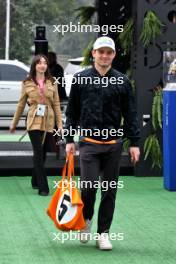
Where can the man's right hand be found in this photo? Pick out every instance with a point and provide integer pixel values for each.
(12, 129)
(70, 148)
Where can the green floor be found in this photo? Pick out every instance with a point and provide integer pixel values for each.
(145, 213)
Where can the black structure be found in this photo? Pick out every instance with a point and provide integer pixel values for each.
(115, 12)
(41, 44)
(147, 65)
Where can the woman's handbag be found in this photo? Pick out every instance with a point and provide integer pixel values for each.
(65, 208)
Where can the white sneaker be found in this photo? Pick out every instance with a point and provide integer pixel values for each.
(103, 242)
(84, 235)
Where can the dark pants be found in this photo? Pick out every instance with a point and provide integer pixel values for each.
(99, 160)
(39, 177)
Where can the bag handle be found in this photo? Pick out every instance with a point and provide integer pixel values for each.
(69, 167)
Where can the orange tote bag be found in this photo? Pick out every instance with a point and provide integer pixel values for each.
(65, 208)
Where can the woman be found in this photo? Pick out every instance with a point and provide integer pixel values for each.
(56, 71)
(44, 110)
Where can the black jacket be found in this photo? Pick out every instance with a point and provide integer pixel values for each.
(94, 106)
(56, 71)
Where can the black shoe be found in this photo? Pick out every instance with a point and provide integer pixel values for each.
(43, 193)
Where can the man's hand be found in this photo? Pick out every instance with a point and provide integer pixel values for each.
(70, 148)
(12, 129)
(60, 132)
(135, 154)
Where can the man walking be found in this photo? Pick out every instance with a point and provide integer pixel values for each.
(98, 106)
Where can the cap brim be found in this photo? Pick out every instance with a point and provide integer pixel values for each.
(103, 46)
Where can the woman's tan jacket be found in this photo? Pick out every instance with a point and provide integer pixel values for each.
(30, 93)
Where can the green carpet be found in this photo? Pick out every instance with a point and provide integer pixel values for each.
(145, 213)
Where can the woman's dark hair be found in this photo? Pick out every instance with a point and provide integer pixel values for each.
(32, 73)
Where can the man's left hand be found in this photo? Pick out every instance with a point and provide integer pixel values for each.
(135, 154)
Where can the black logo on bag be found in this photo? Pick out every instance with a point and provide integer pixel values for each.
(63, 206)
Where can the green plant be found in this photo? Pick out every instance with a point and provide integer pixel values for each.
(152, 149)
(85, 13)
(126, 37)
(126, 144)
(157, 109)
(152, 27)
(151, 144)
(87, 53)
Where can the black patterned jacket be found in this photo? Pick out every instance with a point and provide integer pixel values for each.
(94, 104)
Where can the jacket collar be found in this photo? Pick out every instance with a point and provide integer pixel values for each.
(96, 73)
(31, 82)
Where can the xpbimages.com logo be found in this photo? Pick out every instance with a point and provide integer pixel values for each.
(87, 132)
(104, 29)
(96, 80)
(73, 236)
(82, 184)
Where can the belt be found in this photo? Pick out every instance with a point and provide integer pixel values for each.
(46, 122)
(114, 141)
